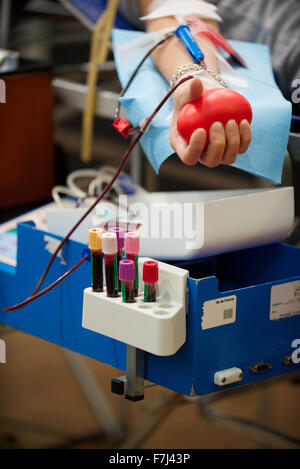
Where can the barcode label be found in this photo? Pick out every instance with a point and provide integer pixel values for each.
(228, 313)
(285, 300)
(219, 312)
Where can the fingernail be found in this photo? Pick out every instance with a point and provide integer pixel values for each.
(217, 127)
(244, 121)
(231, 126)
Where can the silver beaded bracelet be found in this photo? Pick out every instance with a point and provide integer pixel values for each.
(185, 69)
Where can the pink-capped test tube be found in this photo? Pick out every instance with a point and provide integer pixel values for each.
(132, 249)
(120, 233)
(126, 276)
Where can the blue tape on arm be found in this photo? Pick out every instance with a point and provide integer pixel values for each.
(183, 33)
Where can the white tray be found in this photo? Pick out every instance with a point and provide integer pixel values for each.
(222, 221)
(158, 328)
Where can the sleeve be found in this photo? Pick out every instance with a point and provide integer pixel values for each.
(131, 11)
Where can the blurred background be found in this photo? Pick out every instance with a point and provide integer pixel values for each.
(41, 403)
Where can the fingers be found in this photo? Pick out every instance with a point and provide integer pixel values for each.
(215, 150)
(195, 89)
(187, 92)
(177, 142)
(195, 147)
(225, 144)
(232, 142)
(189, 154)
(245, 136)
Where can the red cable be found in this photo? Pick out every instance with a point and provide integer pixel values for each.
(34, 294)
(99, 198)
(52, 285)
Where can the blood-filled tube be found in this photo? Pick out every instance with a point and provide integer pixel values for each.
(95, 245)
(120, 238)
(132, 249)
(150, 278)
(126, 276)
(110, 249)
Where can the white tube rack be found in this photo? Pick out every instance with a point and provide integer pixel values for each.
(158, 328)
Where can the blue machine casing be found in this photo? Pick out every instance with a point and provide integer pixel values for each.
(248, 274)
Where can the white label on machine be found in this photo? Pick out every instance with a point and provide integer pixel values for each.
(219, 312)
(285, 300)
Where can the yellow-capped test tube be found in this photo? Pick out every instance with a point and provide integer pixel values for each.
(95, 245)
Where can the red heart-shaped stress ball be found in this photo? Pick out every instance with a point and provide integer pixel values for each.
(218, 104)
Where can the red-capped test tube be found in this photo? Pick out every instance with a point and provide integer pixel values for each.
(132, 249)
(95, 245)
(120, 238)
(126, 276)
(110, 249)
(150, 279)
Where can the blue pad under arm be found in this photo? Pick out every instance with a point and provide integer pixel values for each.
(271, 112)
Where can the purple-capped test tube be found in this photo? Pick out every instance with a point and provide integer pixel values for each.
(126, 276)
(120, 233)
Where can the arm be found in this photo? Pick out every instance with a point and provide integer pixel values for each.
(225, 143)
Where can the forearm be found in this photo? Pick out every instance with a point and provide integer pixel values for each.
(170, 56)
(225, 141)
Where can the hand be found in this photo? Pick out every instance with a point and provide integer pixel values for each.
(226, 142)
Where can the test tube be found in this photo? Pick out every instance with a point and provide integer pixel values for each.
(110, 249)
(126, 276)
(132, 248)
(150, 278)
(95, 245)
(120, 238)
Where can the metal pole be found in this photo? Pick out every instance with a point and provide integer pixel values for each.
(134, 373)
